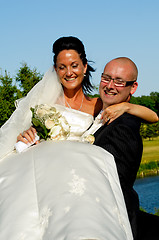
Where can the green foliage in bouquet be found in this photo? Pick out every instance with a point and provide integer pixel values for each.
(39, 126)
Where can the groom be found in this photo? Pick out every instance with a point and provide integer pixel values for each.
(122, 139)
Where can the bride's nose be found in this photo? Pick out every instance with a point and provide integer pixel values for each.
(69, 71)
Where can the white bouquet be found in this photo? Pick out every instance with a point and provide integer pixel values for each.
(49, 123)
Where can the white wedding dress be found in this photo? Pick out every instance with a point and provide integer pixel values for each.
(63, 190)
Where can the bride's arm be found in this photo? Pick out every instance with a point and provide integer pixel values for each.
(114, 111)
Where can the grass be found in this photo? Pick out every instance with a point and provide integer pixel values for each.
(150, 150)
(150, 159)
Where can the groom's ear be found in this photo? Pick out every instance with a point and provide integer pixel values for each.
(134, 88)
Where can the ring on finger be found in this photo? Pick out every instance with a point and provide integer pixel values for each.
(22, 134)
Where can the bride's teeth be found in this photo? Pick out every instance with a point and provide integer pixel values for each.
(71, 79)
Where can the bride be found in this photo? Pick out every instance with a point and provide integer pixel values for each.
(60, 189)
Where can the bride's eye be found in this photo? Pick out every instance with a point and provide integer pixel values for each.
(75, 65)
(61, 67)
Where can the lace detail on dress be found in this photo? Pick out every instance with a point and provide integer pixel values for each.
(40, 228)
(116, 212)
(44, 219)
(77, 185)
(97, 200)
(67, 209)
(2, 179)
(22, 236)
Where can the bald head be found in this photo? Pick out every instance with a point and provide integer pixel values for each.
(128, 64)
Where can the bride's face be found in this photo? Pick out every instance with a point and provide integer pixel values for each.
(70, 69)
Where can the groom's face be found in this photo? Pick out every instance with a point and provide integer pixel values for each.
(110, 92)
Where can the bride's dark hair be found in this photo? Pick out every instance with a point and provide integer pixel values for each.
(66, 43)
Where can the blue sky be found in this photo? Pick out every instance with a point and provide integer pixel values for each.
(108, 29)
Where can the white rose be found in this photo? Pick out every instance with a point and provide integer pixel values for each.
(61, 137)
(42, 110)
(55, 132)
(90, 138)
(49, 123)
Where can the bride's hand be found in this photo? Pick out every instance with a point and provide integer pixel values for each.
(28, 136)
(114, 111)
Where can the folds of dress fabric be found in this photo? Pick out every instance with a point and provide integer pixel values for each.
(62, 191)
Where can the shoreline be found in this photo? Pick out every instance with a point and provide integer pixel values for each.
(148, 170)
(149, 173)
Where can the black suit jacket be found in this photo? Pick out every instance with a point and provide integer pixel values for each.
(122, 139)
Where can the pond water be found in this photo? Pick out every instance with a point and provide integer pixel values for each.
(148, 191)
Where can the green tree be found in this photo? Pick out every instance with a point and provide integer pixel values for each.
(8, 94)
(146, 101)
(152, 102)
(27, 78)
(149, 130)
(155, 97)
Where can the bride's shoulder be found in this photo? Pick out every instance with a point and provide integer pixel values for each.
(96, 105)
